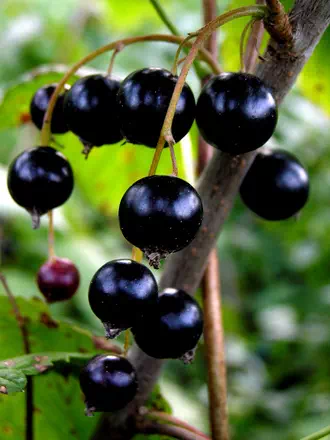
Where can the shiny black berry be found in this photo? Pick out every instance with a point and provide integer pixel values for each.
(143, 100)
(109, 383)
(39, 180)
(121, 294)
(160, 215)
(236, 112)
(276, 186)
(39, 104)
(174, 329)
(91, 110)
(58, 279)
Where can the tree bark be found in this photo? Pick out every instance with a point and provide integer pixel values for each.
(220, 182)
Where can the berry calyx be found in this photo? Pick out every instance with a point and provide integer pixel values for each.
(39, 105)
(39, 180)
(108, 382)
(173, 331)
(236, 112)
(276, 187)
(160, 215)
(121, 294)
(58, 279)
(91, 110)
(143, 99)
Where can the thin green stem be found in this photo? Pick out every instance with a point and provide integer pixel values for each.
(45, 133)
(204, 33)
(319, 434)
(164, 17)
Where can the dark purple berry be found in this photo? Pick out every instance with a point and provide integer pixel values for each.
(39, 180)
(276, 187)
(121, 294)
(236, 112)
(173, 331)
(109, 383)
(144, 97)
(39, 105)
(160, 215)
(58, 279)
(91, 110)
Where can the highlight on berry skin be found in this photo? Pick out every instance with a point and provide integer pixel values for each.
(58, 279)
(108, 382)
(122, 294)
(276, 187)
(39, 180)
(175, 328)
(160, 215)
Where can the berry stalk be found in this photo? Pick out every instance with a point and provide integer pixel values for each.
(257, 11)
(46, 129)
(51, 235)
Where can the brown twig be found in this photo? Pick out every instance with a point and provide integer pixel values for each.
(278, 23)
(254, 42)
(215, 349)
(152, 427)
(25, 337)
(161, 416)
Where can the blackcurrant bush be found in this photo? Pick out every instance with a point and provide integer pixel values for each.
(121, 294)
(144, 97)
(39, 104)
(276, 186)
(160, 215)
(108, 382)
(174, 329)
(91, 110)
(58, 279)
(39, 180)
(236, 112)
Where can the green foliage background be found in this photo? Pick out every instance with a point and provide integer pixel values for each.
(275, 276)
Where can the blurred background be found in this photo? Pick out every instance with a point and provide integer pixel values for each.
(275, 276)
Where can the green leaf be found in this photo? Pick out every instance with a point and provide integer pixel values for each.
(17, 368)
(15, 101)
(157, 402)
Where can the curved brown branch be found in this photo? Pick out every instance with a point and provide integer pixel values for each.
(220, 181)
(151, 427)
(278, 24)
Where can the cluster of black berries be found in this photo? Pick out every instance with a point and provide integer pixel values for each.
(236, 113)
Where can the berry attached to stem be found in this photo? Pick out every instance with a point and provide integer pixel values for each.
(39, 180)
(174, 329)
(160, 215)
(121, 294)
(58, 279)
(276, 187)
(109, 383)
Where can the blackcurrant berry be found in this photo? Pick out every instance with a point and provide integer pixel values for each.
(40, 179)
(174, 329)
(39, 106)
(91, 110)
(236, 112)
(160, 215)
(58, 279)
(276, 186)
(121, 294)
(144, 97)
(109, 383)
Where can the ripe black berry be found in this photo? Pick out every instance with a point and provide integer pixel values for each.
(276, 187)
(174, 329)
(40, 179)
(108, 382)
(91, 111)
(58, 279)
(160, 215)
(39, 106)
(143, 100)
(236, 112)
(121, 294)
